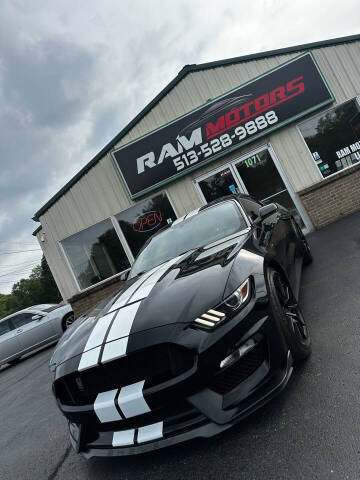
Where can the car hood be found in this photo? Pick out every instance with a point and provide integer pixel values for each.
(174, 293)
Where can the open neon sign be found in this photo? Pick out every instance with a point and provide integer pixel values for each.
(148, 221)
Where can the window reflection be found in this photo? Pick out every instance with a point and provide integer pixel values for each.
(333, 137)
(95, 254)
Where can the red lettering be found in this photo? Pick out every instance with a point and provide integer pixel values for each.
(295, 85)
(232, 117)
(246, 109)
(212, 129)
(261, 102)
(158, 216)
(150, 219)
(143, 221)
(277, 94)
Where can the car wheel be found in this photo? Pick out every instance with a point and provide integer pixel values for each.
(288, 315)
(67, 321)
(304, 245)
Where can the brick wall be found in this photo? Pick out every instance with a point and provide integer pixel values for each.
(83, 302)
(333, 198)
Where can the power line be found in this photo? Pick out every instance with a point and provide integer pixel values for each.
(18, 264)
(18, 243)
(17, 272)
(14, 280)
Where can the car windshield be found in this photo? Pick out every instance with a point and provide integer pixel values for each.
(206, 227)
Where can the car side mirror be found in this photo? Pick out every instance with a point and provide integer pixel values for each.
(124, 275)
(37, 317)
(265, 211)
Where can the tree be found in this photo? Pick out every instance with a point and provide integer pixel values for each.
(39, 288)
(50, 290)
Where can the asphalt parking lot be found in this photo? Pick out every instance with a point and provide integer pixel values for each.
(310, 431)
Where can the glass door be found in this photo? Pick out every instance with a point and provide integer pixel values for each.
(218, 183)
(256, 175)
(262, 181)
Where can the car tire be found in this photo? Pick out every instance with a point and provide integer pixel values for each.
(288, 315)
(304, 245)
(67, 321)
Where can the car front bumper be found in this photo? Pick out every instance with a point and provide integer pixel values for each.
(210, 409)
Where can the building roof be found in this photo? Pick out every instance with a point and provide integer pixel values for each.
(37, 230)
(183, 72)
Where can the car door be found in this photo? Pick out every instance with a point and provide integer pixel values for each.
(9, 342)
(33, 330)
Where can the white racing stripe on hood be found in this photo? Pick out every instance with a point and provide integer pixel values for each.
(131, 400)
(125, 296)
(115, 349)
(90, 356)
(123, 322)
(150, 432)
(145, 289)
(89, 359)
(97, 334)
(104, 407)
(124, 319)
(123, 438)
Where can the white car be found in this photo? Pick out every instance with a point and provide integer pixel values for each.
(32, 328)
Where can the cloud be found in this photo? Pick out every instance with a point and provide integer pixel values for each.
(73, 74)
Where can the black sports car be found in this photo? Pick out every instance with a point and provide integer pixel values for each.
(204, 331)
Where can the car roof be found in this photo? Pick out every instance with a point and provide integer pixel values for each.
(43, 306)
(24, 310)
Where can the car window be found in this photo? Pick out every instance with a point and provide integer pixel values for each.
(22, 319)
(251, 207)
(4, 327)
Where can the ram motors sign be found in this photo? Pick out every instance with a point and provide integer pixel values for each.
(241, 116)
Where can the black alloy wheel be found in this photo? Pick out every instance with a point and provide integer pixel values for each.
(289, 316)
(67, 321)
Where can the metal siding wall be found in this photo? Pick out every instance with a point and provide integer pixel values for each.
(100, 193)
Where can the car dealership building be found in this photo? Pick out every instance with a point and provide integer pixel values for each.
(282, 126)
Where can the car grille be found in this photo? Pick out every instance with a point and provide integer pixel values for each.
(230, 377)
(155, 365)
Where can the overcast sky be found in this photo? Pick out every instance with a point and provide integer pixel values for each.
(74, 73)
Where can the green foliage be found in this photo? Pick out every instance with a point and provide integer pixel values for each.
(40, 287)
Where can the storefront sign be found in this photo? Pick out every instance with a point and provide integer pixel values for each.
(225, 124)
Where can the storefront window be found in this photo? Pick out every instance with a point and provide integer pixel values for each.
(95, 254)
(333, 137)
(142, 220)
(218, 184)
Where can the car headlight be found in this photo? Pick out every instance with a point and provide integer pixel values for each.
(231, 305)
